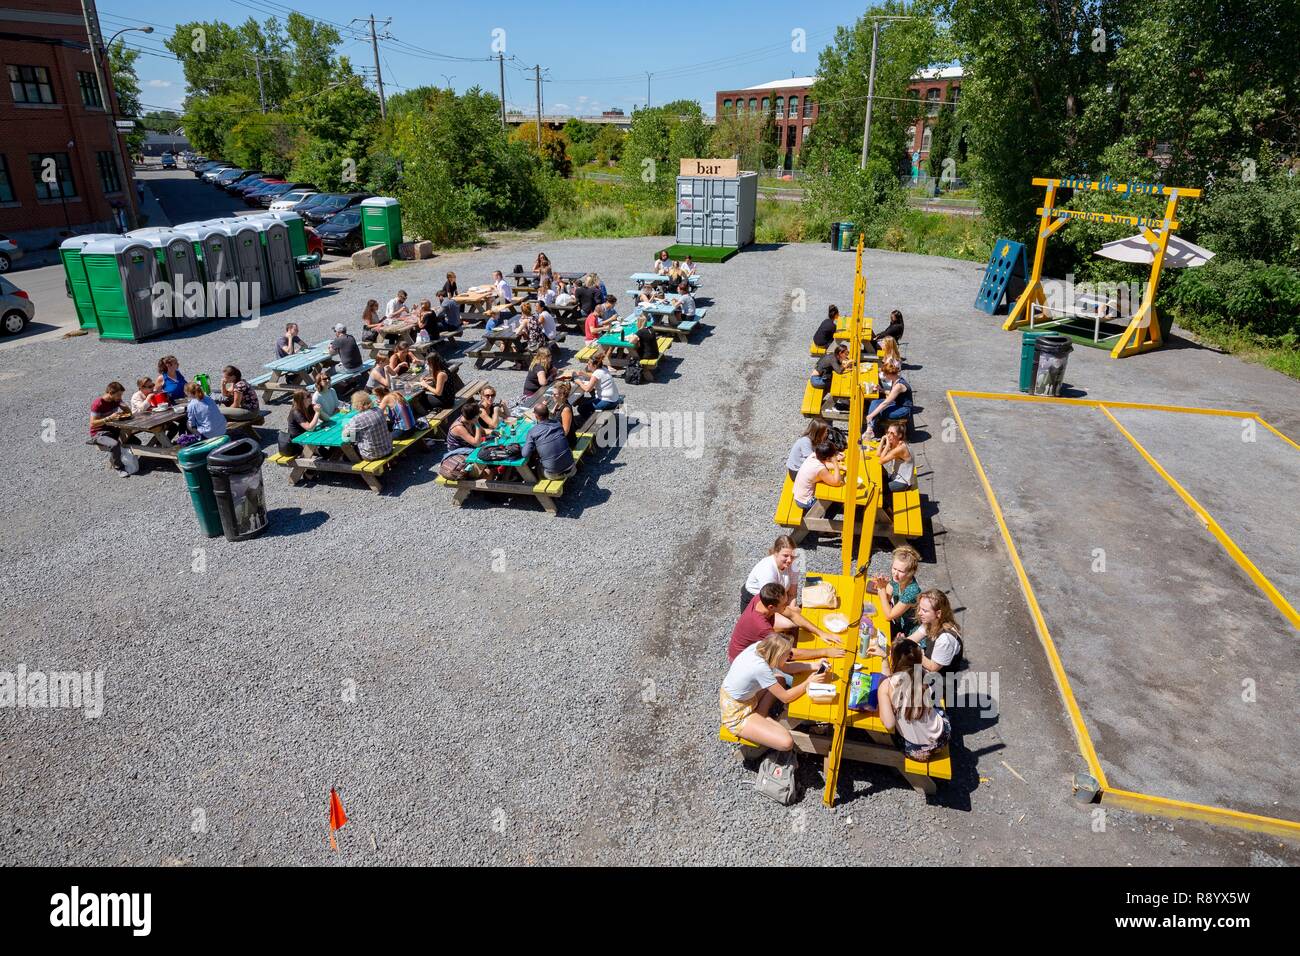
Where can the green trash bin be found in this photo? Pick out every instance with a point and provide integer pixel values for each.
(193, 461)
(1027, 340)
(848, 238)
(308, 272)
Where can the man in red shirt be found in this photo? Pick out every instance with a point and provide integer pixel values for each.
(757, 620)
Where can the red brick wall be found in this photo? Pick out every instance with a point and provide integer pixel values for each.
(784, 123)
(49, 128)
(921, 87)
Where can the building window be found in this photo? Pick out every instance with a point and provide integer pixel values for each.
(108, 176)
(767, 105)
(6, 184)
(30, 84)
(780, 106)
(89, 90)
(806, 131)
(932, 101)
(955, 91)
(807, 108)
(726, 106)
(53, 176)
(925, 140)
(794, 107)
(753, 105)
(740, 106)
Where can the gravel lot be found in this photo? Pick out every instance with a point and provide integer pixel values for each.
(527, 689)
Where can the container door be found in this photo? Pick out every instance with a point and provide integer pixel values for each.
(184, 275)
(279, 261)
(217, 259)
(690, 210)
(374, 226)
(104, 276)
(149, 315)
(722, 212)
(75, 270)
(248, 249)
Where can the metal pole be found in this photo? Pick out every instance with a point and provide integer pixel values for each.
(647, 91)
(261, 92)
(501, 65)
(538, 71)
(379, 77)
(871, 91)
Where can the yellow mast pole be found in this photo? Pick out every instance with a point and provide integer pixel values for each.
(853, 455)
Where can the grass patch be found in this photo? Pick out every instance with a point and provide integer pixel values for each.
(1249, 347)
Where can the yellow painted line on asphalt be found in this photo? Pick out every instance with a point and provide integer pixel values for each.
(1183, 810)
(1234, 551)
(1277, 433)
(1036, 612)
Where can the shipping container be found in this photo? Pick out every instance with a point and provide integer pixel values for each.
(716, 210)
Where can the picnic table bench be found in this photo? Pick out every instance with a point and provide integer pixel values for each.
(815, 401)
(292, 372)
(392, 335)
(817, 518)
(842, 333)
(350, 462)
(153, 434)
(545, 490)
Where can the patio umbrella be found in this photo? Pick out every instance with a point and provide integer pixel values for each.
(1179, 253)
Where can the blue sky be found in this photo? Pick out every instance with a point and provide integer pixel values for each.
(594, 55)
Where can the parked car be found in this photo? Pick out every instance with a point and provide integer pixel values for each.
(212, 175)
(336, 203)
(9, 251)
(16, 308)
(314, 244)
(340, 235)
(228, 182)
(252, 184)
(267, 196)
(314, 200)
(168, 161)
(286, 201)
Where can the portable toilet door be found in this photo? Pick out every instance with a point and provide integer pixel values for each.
(251, 262)
(218, 248)
(75, 272)
(122, 272)
(381, 223)
(279, 259)
(186, 278)
(297, 230)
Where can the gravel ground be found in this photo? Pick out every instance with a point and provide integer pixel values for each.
(490, 684)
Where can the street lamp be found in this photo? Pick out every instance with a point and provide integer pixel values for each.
(110, 104)
(448, 79)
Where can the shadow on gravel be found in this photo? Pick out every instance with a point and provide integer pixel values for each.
(284, 522)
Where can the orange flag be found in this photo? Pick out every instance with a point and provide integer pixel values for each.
(337, 817)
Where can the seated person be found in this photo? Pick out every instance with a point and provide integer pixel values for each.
(825, 333)
(898, 466)
(588, 295)
(754, 683)
(440, 383)
(905, 708)
(368, 429)
(402, 360)
(448, 289)
(548, 440)
(894, 403)
(557, 404)
(324, 400)
(397, 412)
(170, 381)
(424, 315)
(546, 293)
(600, 384)
(397, 308)
(466, 434)
(346, 348)
(688, 267)
(504, 294)
(662, 263)
(238, 397)
(448, 314)
(379, 375)
(822, 467)
(594, 326)
(765, 611)
(143, 399)
(894, 330)
(371, 322)
(888, 349)
(564, 297)
(541, 373)
(776, 568)
(836, 360)
(937, 633)
(109, 408)
(290, 343)
(202, 414)
(529, 332)
(645, 341)
(818, 431)
(303, 417)
(899, 592)
(686, 303)
(491, 411)
(547, 321)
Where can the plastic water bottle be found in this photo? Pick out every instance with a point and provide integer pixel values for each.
(866, 633)
(202, 379)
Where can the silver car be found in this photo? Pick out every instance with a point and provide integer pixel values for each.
(16, 309)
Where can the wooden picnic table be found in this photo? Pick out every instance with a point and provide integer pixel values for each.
(514, 351)
(474, 301)
(317, 442)
(395, 333)
(151, 434)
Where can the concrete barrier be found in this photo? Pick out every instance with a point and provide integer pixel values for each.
(415, 250)
(370, 257)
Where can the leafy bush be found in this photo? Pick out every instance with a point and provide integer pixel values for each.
(1252, 297)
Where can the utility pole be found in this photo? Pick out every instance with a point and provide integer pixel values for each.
(537, 70)
(108, 93)
(871, 91)
(501, 65)
(374, 48)
(647, 90)
(261, 92)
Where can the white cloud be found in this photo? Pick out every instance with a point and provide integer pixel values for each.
(159, 84)
(559, 106)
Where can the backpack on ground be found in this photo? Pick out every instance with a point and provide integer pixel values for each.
(776, 776)
(632, 376)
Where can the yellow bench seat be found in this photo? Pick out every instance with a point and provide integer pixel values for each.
(907, 513)
(788, 514)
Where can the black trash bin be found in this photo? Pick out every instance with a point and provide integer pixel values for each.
(1051, 354)
(236, 471)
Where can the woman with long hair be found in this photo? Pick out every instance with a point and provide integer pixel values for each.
(817, 432)
(906, 708)
(754, 683)
(371, 321)
(897, 466)
(825, 333)
(937, 634)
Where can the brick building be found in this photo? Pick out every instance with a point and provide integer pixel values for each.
(934, 87)
(786, 101)
(60, 169)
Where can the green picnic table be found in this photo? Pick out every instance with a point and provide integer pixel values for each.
(506, 434)
(330, 436)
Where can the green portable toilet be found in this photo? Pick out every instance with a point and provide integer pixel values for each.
(381, 223)
(297, 230)
(122, 272)
(75, 271)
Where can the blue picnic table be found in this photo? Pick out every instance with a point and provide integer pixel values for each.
(641, 278)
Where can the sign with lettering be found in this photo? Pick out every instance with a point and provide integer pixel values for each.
(710, 167)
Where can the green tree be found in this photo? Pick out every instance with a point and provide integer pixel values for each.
(554, 149)
(609, 144)
(339, 124)
(121, 64)
(658, 139)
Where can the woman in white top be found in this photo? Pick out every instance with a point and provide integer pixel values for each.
(753, 684)
(325, 400)
(937, 635)
(662, 264)
(141, 400)
(776, 568)
(600, 384)
(898, 467)
(905, 707)
(546, 294)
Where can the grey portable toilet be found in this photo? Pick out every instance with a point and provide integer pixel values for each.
(249, 258)
(180, 270)
(216, 247)
(122, 272)
(717, 210)
(280, 269)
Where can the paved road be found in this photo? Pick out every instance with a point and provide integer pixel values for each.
(171, 196)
